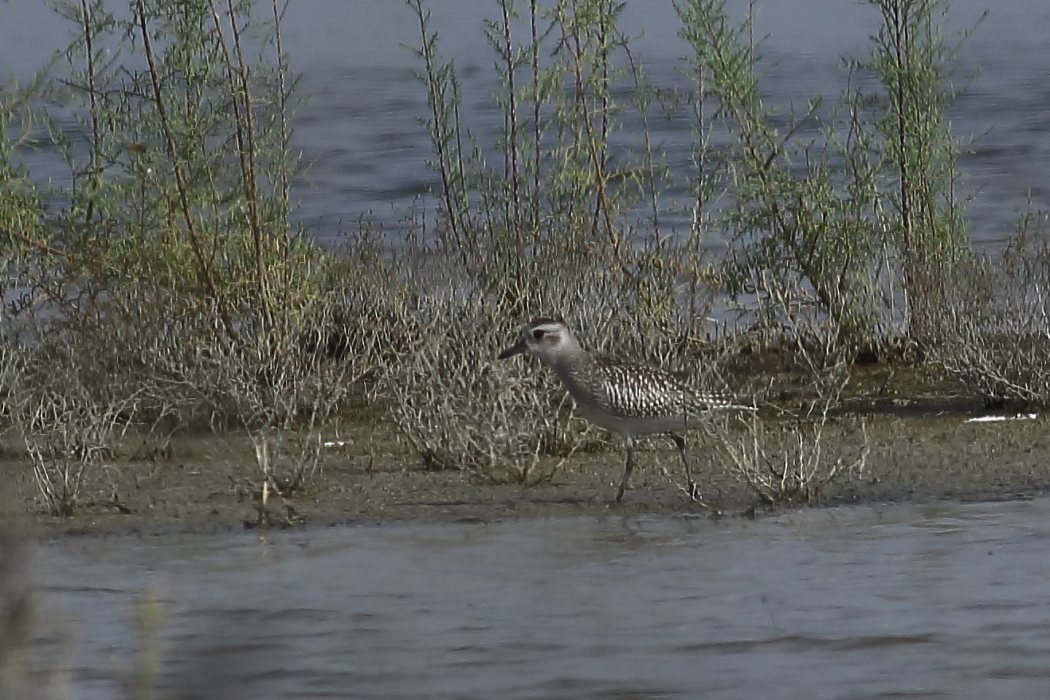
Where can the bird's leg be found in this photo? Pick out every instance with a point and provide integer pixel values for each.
(692, 488)
(629, 441)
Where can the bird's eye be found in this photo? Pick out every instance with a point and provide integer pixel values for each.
(538, 334)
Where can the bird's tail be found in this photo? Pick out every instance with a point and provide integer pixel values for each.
(736, 403)
(728, 402)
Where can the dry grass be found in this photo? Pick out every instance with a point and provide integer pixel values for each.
(127, 372)
(789, 460)
(392, 336)
(460, 408)
(794, 461)
(282, 382)
(990, 325)
(70, 425)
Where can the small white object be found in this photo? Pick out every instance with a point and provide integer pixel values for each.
(337, 443)
(1000, 419)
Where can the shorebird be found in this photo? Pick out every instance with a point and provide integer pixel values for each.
(623, 397)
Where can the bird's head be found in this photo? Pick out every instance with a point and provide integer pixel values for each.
(544, 338)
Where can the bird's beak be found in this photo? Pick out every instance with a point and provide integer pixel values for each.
(516, 349)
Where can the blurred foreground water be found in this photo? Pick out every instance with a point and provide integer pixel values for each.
(861, 602)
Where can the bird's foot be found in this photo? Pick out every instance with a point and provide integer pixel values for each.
(693, 491)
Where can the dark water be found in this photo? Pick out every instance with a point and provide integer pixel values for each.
(869, 602)
(360, 132)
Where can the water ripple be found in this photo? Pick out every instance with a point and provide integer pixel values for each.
(905, 601)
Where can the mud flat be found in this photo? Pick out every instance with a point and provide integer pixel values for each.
(209, 482)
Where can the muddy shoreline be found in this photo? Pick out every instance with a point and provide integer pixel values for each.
(209, 483)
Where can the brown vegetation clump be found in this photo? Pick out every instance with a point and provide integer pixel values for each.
(71, 422)
(793, 457)
(460, 409)
(989, 325)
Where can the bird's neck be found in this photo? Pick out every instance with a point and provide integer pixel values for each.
(572, 366)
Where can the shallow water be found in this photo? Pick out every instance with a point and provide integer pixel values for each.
(359, 127)
(916, 601)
